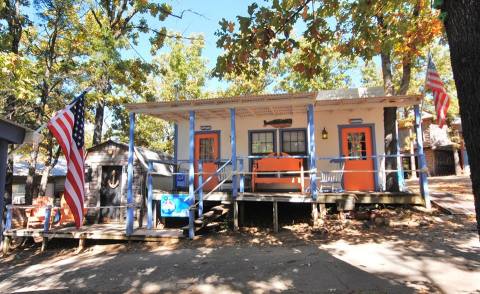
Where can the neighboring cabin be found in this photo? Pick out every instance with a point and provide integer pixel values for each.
(444, 152)
(55, 184)
(105, 176)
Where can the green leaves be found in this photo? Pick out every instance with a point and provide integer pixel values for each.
(183, 71)
(348, 29)
(158, 40)
(251, 9)
(165, 10)
(244, 24)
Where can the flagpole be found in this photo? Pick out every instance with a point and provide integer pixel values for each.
(425, 84)
(429, 56)
(39, 129)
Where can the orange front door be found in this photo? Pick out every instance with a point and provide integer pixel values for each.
(357, 143)
(207, 150)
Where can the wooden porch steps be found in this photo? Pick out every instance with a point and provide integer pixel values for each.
(210, 219)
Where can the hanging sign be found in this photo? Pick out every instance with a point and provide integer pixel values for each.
(279, 123)
(205, 128)
(181, 181)
(355, 121)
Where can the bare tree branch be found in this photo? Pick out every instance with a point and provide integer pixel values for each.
(180, 16)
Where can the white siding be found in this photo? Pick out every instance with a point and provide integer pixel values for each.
(332, 119)
(243, 125)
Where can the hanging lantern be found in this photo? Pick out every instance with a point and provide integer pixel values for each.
(324, 134)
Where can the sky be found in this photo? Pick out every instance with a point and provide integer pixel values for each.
(212, 11)
(203, 20)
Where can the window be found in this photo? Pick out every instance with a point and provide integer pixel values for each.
(357, 146)
(206, 149)
(18, 193)
(294, 141)
(262, 142)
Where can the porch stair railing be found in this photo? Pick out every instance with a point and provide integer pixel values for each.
(206, 219)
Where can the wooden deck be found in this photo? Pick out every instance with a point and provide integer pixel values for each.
(98, 232)
(328, 198)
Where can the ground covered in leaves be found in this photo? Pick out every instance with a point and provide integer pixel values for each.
(399, 249)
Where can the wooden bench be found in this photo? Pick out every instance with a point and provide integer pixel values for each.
(274, 164)
(66, 215)
(36, 215)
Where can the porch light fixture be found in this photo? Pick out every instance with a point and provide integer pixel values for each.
(324, 134)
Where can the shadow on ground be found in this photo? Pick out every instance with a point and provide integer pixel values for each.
(414, 252)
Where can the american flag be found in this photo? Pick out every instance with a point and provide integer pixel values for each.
(441, 98)
(68, 128)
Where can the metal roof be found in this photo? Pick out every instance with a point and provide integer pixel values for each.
(271, 104)
(20, 168)
(144, 155)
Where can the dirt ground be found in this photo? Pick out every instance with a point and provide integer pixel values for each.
(393, 250)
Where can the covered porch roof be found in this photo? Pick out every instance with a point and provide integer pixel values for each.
(272, 104)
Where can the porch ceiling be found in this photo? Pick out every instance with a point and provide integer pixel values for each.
(245, 106)
(368, 102)
(261, 105)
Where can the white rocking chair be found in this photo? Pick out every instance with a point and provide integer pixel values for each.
(332, 181)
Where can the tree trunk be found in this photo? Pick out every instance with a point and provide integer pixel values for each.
(9, 182)
(406, 76)
(98, 126)
(15, 30)
(32, 167)
(10, 111)
(462, 25)
(389, 125)
(50, 163)
(387, 73)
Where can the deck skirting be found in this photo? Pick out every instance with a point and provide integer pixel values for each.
(325, 198)
(98, 232)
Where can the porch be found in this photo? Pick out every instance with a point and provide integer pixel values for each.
(46, 225)
(206, 177)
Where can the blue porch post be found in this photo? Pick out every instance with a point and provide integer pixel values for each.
(149, 196)
(312, 151)
(400, 175)
(242, 177)
(423, 181)
(48, 214)
(200, 192)
(175, 154)
(8, 222)
(131, 145)
(191, 174)
(233, 143)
